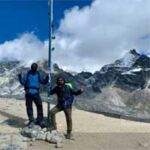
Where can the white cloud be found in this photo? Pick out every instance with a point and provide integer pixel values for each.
(98, 34)
(27, 47)
(90, 37)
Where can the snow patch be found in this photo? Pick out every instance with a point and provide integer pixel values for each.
(128, 60)
(131, 72)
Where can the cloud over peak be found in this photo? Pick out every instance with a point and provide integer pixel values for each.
(105, 30)
(27, 47)
(90, 37)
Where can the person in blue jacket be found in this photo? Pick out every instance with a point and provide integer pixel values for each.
(31, 82)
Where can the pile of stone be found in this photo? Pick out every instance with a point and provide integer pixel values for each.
(37, 133)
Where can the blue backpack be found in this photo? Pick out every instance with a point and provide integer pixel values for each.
(69, 100)
(32, 84)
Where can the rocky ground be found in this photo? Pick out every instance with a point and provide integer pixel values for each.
(91, 131)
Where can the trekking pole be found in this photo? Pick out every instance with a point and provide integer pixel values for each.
(50, 15)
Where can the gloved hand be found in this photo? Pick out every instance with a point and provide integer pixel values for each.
(47, 75)
(82, 89)
(19, 75)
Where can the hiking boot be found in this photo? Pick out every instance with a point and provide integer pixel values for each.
(69, 136)
(41, 124)
(30, 124)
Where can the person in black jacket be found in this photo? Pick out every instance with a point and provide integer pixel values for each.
(65, 95)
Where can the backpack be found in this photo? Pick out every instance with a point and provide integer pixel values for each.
(69, 85)
(32, 81)
(69, 100)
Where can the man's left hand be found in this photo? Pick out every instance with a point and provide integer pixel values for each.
(82, 89)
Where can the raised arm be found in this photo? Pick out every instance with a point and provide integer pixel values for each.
(23, 79)
(44, 81)
(77, 92)
(53, 91)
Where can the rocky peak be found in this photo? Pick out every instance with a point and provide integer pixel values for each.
(134, 52)
(128, 59)
(143, 61)
(123, 64)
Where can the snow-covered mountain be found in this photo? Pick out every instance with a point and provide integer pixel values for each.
(129, 73)
(9, 70)
(8, 78)
(128, 60)
(121, 88)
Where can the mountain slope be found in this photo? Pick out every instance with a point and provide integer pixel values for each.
(120, 88)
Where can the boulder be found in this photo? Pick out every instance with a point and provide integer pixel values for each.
(48, 136)
(31, 132)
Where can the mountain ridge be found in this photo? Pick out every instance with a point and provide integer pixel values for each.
(117, 88)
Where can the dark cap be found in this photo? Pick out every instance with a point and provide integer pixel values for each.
(34, 66)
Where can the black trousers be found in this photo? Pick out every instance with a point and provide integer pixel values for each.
(30, 98)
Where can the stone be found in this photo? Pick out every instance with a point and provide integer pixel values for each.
(37, 127)
(36, 133)
(48, 136)
(44, 129)
(54, 132)
(56, 139)
(41, 136)
(31, 132)
(41, 132)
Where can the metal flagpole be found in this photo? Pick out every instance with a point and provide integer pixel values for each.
(50, 13)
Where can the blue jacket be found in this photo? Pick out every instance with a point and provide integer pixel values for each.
(31, 82)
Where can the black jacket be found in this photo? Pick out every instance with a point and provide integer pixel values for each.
(64, 93)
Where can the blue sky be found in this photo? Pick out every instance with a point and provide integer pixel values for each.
(93, 34)
(19, 16)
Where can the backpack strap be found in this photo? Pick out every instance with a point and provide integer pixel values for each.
(68, 101)
(69, 85)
